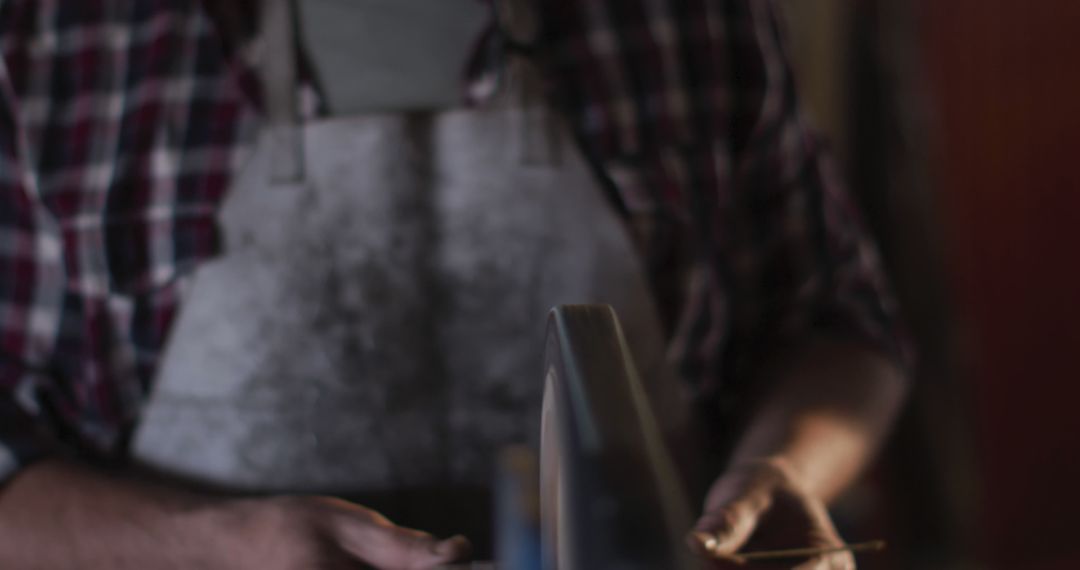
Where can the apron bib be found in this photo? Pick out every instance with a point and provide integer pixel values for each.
(381, 324)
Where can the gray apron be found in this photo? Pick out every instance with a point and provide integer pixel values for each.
(377, 323)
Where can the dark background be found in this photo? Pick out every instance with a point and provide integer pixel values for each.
(1005, 83)
(959, 125)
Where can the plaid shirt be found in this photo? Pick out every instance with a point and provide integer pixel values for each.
(119, 126)
(121, 121)
(688, 109)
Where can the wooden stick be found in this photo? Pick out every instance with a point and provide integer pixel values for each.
(871, 546)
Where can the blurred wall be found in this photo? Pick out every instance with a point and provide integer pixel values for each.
(1006, 87)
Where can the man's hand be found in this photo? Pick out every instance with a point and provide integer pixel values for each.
(57, 515)
(763, 506)
(826, 407)
(292, 533)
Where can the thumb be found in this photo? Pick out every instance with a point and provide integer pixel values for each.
(734, 505)
(370, 537)
(722, 531)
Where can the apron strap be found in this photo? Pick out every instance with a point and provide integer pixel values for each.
(278, 72)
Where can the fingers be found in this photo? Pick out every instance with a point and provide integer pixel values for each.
(733, 508)
(371, 537)
(403, 549)
(835, 561)
(723, 532)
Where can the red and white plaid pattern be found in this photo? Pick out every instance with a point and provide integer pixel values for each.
(121, 123)
(689, 108)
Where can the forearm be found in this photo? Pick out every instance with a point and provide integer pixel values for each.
(58, 515)
(829, 405)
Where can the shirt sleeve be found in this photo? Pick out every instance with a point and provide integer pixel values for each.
(689, 109)
(121, 124)
(27, 258)
(807, 263)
